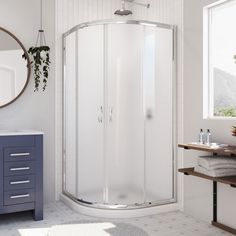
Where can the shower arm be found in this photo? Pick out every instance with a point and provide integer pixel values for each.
(123, 4)
(138, 3)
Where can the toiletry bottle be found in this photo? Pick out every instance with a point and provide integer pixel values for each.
(201, 137)
(208, 134)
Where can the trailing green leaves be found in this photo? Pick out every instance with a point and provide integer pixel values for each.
(40, 62)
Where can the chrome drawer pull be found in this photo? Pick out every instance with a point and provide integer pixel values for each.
(19, 154)
(19, 196)
(20, 182)
(20, 168)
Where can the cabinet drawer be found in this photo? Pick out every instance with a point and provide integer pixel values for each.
(19, 196)
(18, 140)
(19, 182)
(19, 153)
(19, 168)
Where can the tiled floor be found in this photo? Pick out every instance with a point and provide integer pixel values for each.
(167, 224)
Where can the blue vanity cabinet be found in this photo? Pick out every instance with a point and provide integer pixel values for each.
(21, 174)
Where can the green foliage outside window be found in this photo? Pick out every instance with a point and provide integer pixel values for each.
(226, 111)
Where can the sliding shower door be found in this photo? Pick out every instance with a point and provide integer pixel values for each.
(159, 113)
(90, 128)
(125, 133)
(119, 114)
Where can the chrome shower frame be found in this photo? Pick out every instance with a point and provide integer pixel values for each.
(174, 112)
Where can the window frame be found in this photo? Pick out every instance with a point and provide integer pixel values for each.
(208, 83)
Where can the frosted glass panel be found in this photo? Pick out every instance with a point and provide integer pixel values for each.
(158, 93)
(90, 114)
(125, 133)
(70, 113)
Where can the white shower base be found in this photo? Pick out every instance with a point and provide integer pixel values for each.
(125, 196)
(118, 213)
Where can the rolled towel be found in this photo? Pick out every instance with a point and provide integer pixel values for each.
(216, 172)
(217, 162)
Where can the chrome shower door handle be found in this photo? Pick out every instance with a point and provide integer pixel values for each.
(111, 115)
(99, 119)
(100, 116)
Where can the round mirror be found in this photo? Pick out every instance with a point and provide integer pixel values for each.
(14, 68)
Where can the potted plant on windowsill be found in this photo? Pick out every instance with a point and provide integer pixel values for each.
(233, 130)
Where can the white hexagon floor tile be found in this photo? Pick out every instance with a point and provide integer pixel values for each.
(59, 220)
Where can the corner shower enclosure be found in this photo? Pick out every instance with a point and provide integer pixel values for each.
(119, 114)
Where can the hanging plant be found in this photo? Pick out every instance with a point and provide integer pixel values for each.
(40, 58)
(40, 62)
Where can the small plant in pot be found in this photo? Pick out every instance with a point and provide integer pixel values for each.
(233, 130)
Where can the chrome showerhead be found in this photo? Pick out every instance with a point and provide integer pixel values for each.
(123, 11)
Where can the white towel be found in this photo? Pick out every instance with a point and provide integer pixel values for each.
(216, 173)
(217, 162)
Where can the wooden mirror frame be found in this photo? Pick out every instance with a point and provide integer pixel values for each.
(28, 67)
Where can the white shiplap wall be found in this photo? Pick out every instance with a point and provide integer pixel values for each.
(72, 12)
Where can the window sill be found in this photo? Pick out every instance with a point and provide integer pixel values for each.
(220, 118)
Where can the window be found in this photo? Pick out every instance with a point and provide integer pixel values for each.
(219, 60)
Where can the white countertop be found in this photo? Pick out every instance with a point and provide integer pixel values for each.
(18, 132)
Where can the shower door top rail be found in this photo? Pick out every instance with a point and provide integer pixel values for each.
(119, 21)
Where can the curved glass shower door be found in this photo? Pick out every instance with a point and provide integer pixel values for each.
(125, 133)
(159, 114)
(119, 114)
(90, 130)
